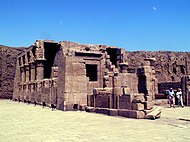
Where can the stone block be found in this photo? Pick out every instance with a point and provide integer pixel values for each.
(153, 113)
(136, 114)
(102, 101)
(90, 100)
(123, 113)
(137, 106)
(117, 81)
(138, 98)
(148, 105)
(125, 101)
(113, 112)
(102, 91)
(110, 74)
(126, 90)
(118, 91)
(106, 78)
(131, 113)
(148, 98)
(89, 109)
(102, 110)
(82, 107)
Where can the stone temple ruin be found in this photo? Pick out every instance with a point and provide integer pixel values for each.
(95, 78)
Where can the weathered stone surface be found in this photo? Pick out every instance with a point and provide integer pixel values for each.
(105, 91)
(138, 106)
(102, 110)
(102, 101)
(153, 113)
(113, 112)
(169, 66)
(131, 113)
(8, 57)
(125, 101)
(139, 98)
(148, 105)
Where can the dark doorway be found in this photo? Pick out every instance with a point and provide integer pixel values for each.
(92, 72)
(142, 84)
(50, 52)
(113, 55)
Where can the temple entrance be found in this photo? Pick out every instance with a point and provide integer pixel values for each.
(50, 52)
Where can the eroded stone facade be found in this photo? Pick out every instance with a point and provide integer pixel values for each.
(73, 76)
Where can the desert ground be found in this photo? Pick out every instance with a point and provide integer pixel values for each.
(21, 122)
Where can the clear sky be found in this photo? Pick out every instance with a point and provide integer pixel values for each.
(149, 25)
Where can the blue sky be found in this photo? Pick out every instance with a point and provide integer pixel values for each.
(149, 25)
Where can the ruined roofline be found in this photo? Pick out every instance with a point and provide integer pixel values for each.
(68, 43)
(24, 51)
(34, 45)
(89, 45)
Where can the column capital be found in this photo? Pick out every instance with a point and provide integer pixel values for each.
(40, 63)
(22, 68)
(32, 65)
(26, 67)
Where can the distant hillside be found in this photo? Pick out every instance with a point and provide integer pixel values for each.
(169, 66)
(7, 70)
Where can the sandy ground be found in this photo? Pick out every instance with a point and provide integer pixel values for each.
(20, 122)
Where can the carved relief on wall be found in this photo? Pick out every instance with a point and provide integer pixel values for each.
(54, 82)
(46, 83)
(26, 59)
(39, 86)
(31, 57)
(54, 71)
(32, 87)
(39, 53)
(39, 50)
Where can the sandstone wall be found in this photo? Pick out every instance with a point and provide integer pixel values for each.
(169, 66)
(7, 70)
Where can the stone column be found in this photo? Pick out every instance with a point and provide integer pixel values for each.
(21, 70)
(39, 70)
(26, 73)
(26, 66)
(117, 90)
(32, 71)
(110, 101)
(150, 81)
(22, 74)
(40, 58)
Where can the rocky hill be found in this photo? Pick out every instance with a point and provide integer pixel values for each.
(7, 70)
(169, 66)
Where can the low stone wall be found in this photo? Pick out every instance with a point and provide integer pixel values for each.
(127, 105)
(118, 112)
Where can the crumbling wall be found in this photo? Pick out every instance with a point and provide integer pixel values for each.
(7, 70)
